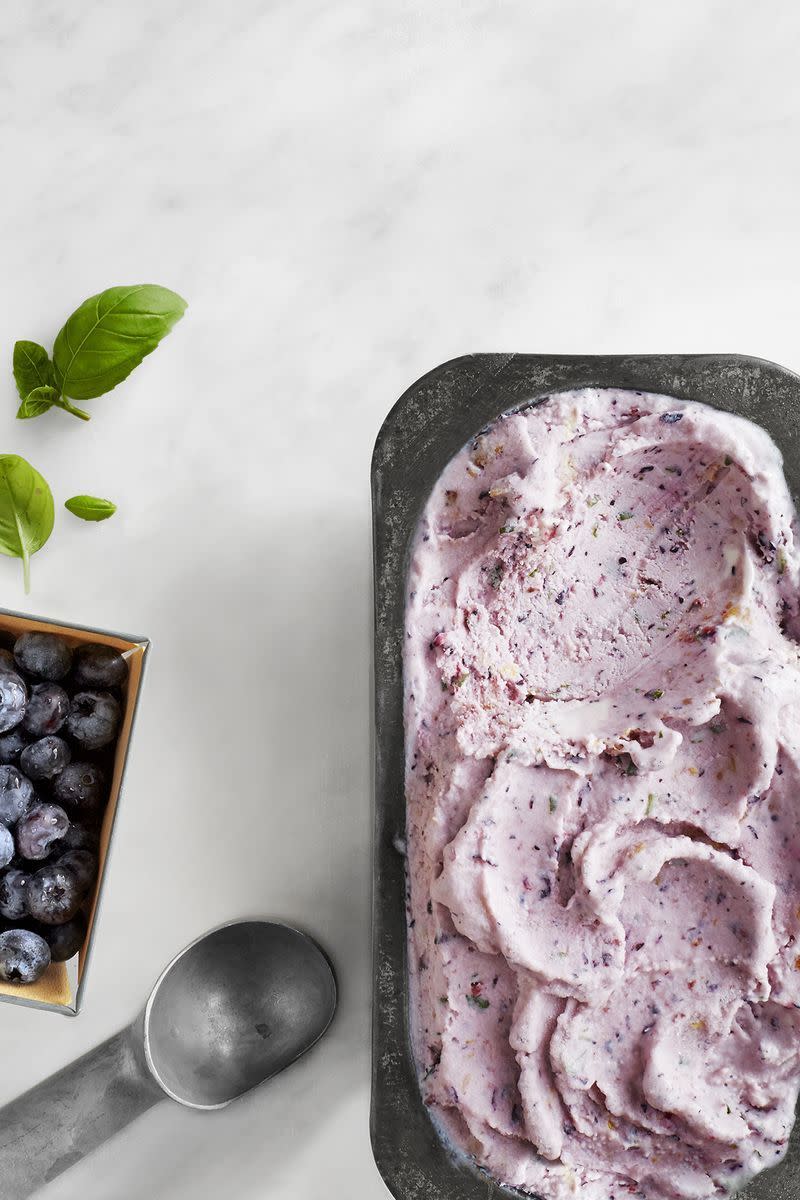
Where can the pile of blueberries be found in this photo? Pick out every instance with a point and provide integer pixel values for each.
(60, 712)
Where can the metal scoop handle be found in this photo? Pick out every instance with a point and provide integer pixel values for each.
(62, 1119)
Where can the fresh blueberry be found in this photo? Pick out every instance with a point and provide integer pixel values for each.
(48, 705)
(77, 837)
(13, 697)
(7, 662)
(24, 956)
(53, 895)
(99, 666)
(13, 894)
(93, 719)
(81, 788)
(46, 758)
(39, 828)
(83, 865)
(45, 655)
(65, 940)
(7, 848)
(16, 794)
(12, 744)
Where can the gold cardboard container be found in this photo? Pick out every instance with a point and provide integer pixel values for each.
(60, 989)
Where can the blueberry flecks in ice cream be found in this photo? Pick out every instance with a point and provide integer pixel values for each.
(602, 697)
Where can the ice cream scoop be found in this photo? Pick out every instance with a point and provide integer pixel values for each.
(230, 1011)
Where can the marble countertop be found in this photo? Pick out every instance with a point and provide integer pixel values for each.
(347, 195)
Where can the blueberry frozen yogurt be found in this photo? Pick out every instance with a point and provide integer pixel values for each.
(602, 708)
(60, 713)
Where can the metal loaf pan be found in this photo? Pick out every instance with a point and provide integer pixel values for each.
(430, 422)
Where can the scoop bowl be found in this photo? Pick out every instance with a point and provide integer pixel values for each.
(233, 1009)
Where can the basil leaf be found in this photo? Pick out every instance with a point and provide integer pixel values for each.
(41, 399)
(26, 511)
(32, 368)
(37, 402)
(109, 335)
(90, 508)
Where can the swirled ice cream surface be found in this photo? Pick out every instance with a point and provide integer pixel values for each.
(602, 707)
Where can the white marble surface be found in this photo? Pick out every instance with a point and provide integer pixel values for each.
(347, 194)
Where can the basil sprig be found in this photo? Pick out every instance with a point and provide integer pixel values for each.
(98, 347)
(100, 344)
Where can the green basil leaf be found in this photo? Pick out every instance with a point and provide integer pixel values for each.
(32, 368)
(41, 399)
(90, 508)
(26, 511)
(109, 335)
(37, 402)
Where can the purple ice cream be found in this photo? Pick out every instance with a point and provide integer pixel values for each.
(602, 711)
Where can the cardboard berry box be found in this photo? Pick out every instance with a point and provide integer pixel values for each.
(60, 989)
